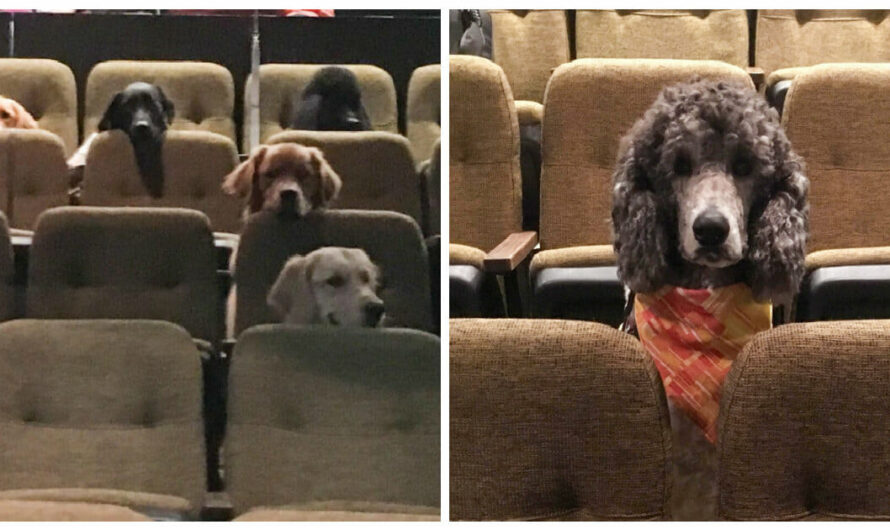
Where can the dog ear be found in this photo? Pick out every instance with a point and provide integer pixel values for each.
(778, 235)
(329, 182)
(107, 121)
(291, 295)
(24, 120)
(169, 109)
(240, 181)
(640, 230)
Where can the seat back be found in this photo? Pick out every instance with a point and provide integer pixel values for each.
(804, 37)
(324, 414)
(555, 420)
(803, 424)
(485, 190)
(145, 263)
(282, 84)
(392, 241)
(528, 45)
(376, 167)
(8, 309)
(716, 34)
(47, 90)
(580, 139)
(203, 94)
(33, 175)
(114, 405)
(194, 163)
(847, 171)
(423, 115)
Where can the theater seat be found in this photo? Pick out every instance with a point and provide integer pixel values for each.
(101, 411)
(555, 420)
(33, 177)
(803, 425)
(9, 306)
(334, 424)
(422, 113)
(66, 511)
(194, 162)
(574, 274)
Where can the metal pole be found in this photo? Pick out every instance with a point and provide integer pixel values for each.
(252, 112)
(12, 35)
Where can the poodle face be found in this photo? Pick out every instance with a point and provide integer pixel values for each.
(707, 190)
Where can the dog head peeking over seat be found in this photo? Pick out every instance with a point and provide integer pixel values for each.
(331, 285)
(287, 178)
(332, 101)
(14, 116)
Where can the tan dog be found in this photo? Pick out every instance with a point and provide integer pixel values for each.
(287, 178)
(14, 116)
(331, 285)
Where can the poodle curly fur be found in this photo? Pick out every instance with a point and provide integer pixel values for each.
(718, 122)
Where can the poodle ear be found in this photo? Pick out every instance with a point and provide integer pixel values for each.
(778, 236)
(291, 296)
(329, 180)
(240, 181)
(640, 233)
(107, 121)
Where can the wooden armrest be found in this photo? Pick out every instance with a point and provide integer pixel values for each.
(510, 253)
(757, 75)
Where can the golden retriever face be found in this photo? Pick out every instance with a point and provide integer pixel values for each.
(290, 179)
(332, 285)
(14, 116)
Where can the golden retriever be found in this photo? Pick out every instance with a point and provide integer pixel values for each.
(14, 116)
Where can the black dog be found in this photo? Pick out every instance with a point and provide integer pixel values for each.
(331, 102)
(143, 112)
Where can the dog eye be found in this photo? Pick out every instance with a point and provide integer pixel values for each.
(741, 167)
(4, 114)
(335, 281)
(682, 165)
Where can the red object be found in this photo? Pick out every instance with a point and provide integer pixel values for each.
(317, 13)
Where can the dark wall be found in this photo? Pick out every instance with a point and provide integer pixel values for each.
(396, 41)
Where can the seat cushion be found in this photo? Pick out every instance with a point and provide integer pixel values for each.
(342, 511)
(65, 511)
(845, 293)
(579, 293)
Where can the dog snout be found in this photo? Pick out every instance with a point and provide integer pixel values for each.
(710, 228)
(374, 312)
(142, 128)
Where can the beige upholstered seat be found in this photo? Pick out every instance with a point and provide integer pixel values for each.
(325, 420)
(392, 241)
(33, 174)
(8, 305)
(576, 174)
(376, 167)
(555, 419)
(282, 84)
(101, 411)
(47, 90)
(793, 38)
(423, 115)
(65, 511)
(146, 263)
(203, 94)
(432, 176)
(804, 423)
(195, 163)
(717, 34)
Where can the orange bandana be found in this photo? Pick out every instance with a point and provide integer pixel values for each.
(694, 335)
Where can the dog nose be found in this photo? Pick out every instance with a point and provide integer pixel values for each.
(374, 312)
(288, 202)
(710, 228)
(141, 128)
(353, 123)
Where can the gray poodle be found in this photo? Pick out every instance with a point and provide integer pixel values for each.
(707, 193)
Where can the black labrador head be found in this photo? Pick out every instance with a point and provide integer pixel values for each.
(143, 112)
(332, 102)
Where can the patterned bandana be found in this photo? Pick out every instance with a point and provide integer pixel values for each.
(694, 335)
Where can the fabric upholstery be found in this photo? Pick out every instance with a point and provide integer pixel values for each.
(584, 256)
(423, 115)
(33, 174)
(433, 182)
(138, 500)
(528, 45)
(282, 84)
(195, 163)
(147, 263)
(318, 413)
(377, 168)
(485, 190)
(342, 511)
(101, 404)
(848, 256)
(47, 90)
(555, 419)
(202, 93)
(576, 176)
(784, 74)
(787, 37)
(717, 34)
(804, 422)
(65, 511)
(529, 112)
(392, 241)
(847, 170)
(464, 255)
(7, 273)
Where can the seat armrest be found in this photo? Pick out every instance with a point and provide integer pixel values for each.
(758, 76)
(776, 93)
(217, 507)
(227, 346)
(510, 252)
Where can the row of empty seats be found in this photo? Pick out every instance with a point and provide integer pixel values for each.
(590, 105)
(563, 420)
(103, 419)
